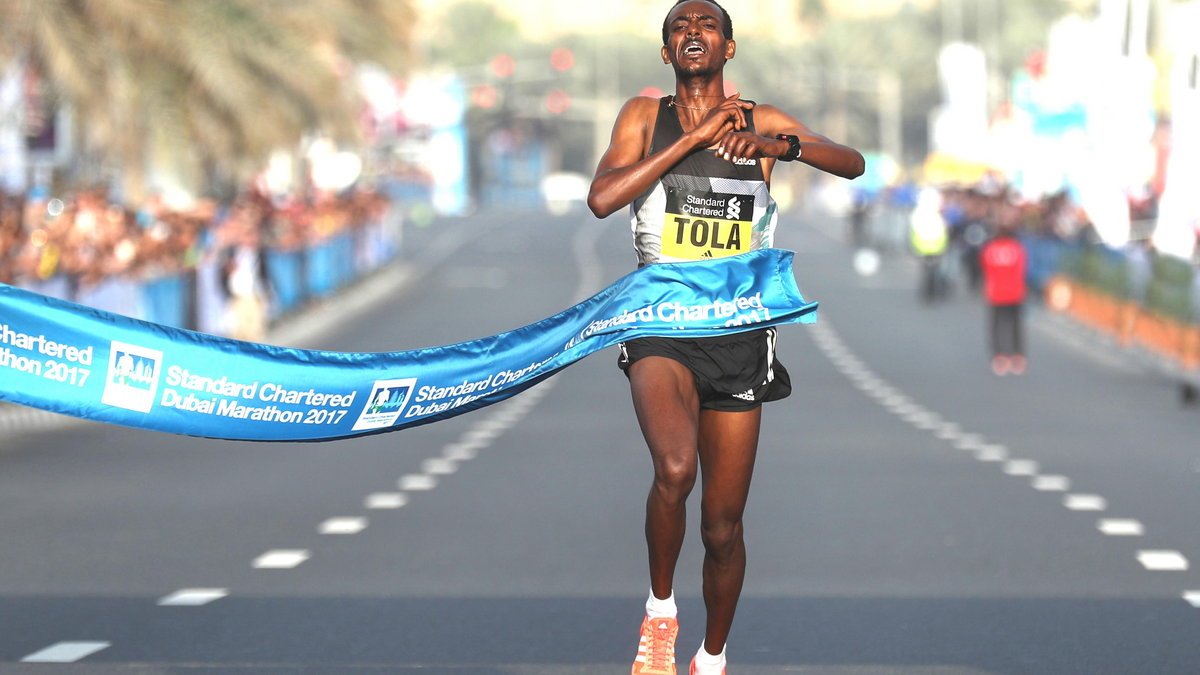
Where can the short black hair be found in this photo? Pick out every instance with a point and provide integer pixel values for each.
(724, 17)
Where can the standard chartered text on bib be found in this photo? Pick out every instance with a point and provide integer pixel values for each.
(705, 224)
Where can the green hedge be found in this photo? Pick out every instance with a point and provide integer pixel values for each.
(1168, 292)
(1099, 268)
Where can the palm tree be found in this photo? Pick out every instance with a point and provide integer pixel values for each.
(207, 87)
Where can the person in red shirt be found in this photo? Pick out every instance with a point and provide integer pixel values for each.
(1003, 261)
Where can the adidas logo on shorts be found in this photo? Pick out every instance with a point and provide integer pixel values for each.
(747, 395)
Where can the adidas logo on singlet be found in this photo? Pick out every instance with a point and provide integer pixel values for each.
(747, 395)
(742, 161)
(707, 254)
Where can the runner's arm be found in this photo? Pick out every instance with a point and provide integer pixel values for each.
(816, 150)
(625, 171)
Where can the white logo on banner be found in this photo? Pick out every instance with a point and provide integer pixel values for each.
(386, 402)
(132, 377)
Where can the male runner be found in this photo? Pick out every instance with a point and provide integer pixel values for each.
(695, 168)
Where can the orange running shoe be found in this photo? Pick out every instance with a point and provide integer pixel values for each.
(656, 650)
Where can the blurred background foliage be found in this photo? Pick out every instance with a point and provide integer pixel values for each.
(210, 87)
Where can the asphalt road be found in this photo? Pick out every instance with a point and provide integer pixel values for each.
(911, 512)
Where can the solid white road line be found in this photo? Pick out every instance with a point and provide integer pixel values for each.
(1169, 561)
(343, 526)
(1193, 598)
(1120, 527)
(66, 652)
(192, 597)
(281, 559)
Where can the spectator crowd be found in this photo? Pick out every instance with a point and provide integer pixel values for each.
(72, 246)
(970, 214)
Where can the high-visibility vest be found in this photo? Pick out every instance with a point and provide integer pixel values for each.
(928, 232)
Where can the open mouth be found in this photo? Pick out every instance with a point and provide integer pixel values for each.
(694, 49)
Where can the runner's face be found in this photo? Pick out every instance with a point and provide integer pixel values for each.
(696, 42)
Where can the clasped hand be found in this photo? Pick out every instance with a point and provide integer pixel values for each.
(723, 127)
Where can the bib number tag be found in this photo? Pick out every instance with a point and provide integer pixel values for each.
(701, 224)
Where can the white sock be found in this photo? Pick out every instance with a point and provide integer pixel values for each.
(708, 664)
(661, 609)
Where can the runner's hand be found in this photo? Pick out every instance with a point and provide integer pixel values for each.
(745, 145)
(729, 116)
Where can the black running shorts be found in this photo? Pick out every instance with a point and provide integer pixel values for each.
(734, 372)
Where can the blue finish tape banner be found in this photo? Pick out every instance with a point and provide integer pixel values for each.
(79, 361)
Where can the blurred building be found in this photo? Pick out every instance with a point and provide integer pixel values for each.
(542, 20)
(1179, 217)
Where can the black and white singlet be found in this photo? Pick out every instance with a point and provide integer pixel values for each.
(704, 206)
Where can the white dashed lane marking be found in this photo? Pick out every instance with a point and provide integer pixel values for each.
(386, 500)
(969, 442)
(1085, 502)
(1169, 561)
(438, 466)
(487, 429)
(417, 482)
(903, 407)
(281, 559)
(483, 434)
(460, 452)
(1120, 527)
(1051, 483)
(992, 453)
(192, 597)
(949, 432)
(1021, 467)
(343, 526)
(66, 652)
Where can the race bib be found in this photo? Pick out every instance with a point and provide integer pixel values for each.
(703, 224)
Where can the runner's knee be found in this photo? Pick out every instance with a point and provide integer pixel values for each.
(674, 476)
(721, 536)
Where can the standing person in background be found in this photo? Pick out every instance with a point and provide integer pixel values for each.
(1003, 262)
(699, 401)
(929, 237)
(970, 237)
(247, 282)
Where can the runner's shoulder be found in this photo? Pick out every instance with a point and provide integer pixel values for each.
(766, 114)
(638, 116)
(642, 106)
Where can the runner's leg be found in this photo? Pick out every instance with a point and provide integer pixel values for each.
(667, 407)
(728, 446)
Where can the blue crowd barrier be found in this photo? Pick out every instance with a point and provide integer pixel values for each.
(1044, 256)
(318, 268)
(169, 300)
(286, 272)
(193, 299)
